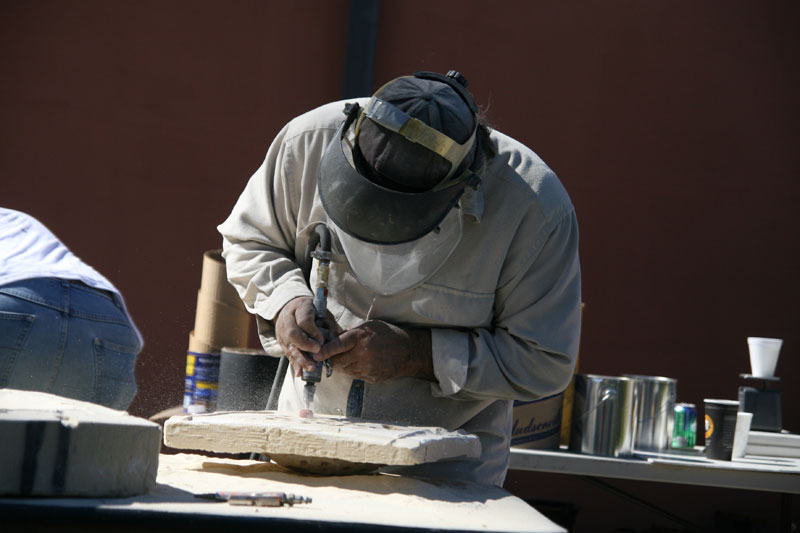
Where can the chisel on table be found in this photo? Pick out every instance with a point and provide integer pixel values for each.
(259, 499)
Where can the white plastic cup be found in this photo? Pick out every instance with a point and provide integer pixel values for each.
(764, 355)
(740, 437)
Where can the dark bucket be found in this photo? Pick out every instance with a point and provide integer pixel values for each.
(245, 379)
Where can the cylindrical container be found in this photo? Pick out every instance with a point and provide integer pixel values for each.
(602, 415)
(720, 422)
(205, 397)
(764, 355)
(684, 431)
(654, 404)
(200, 387)
(537, 424)
(245, 379)
(188, 387)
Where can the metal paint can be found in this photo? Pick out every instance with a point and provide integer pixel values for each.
(654, 406)
(684, 433)
(603, 421)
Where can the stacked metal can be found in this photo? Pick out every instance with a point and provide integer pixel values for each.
(684, 433)
(202, 376)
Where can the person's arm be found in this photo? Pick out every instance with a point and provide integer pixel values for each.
(258, 237)
(264, 241)
(531, 350)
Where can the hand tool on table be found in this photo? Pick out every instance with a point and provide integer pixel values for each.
(258, 499)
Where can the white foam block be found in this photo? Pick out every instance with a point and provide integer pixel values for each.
(768, 438)
(322, 436)
(55, 446)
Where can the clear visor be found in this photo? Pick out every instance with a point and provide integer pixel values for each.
(393, 268)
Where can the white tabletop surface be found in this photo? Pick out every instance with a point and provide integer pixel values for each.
(362, 499)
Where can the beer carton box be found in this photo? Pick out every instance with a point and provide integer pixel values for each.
(537, 424)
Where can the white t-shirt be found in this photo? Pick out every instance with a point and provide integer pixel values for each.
(29, 250)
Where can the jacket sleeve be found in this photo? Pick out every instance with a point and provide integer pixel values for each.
(531, 349)
(258, 237)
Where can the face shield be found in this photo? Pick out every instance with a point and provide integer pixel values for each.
(393, 268)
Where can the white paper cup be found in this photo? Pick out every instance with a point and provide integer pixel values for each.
(743, 421)
(764, 355)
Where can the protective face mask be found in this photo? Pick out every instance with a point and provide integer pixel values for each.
(394, 268)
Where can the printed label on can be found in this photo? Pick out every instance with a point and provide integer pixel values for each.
(202, 378)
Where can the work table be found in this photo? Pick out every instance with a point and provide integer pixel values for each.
(779, 475)
(83, 465)
(771, 474)
(339, 503)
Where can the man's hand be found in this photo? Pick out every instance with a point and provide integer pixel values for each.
(297, 332)
(376, 351)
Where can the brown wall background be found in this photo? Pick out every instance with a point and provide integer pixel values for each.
(130, 129)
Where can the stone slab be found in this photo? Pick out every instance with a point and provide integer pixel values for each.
(55, 446)
(323, 444)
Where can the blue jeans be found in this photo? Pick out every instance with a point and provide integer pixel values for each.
(66, 338)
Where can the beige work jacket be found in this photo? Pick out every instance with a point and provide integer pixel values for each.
(504, 309)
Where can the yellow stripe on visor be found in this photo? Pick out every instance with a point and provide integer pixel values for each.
(416, 131)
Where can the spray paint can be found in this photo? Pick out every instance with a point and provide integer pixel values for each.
(202, 382)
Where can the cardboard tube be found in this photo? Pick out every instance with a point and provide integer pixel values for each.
(219, 324)
(199, 346)
(566, 409)
(214, 280)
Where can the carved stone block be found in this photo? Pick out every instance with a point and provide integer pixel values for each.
(323, 444)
